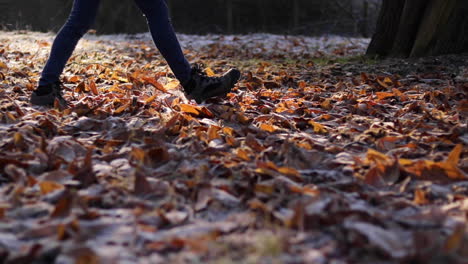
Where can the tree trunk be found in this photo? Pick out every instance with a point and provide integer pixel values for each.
(415, 28)
(387, 27)
(408, 28)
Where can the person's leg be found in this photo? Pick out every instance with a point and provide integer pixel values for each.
(79, 22)
(164, 37)
(196, 84)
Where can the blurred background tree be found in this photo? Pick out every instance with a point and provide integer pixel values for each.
(415, 28)
(307, 17)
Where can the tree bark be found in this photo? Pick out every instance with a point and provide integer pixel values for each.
(444, 29)
(387, 27)
(425, 27)
(409, 23)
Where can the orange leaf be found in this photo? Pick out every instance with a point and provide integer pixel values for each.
(138, 154)
(386, 82)
(327, 105)
(93, 88)
(74, 79)
(231, 141)
(265, 188)
(420, 197)
(318, 128)
(268, 128)
(377, 157)
(243, 154)
(228, 131)
(172, 85)
(155, 83)
(122, 108)
(213, 132)
(450, 170)
(383, 95)
(386, 170)
(151, 99)
(209, 72)
(116, 76)
(304, 190)
(49, 186)
(190, 109)
(289, 172)
(454, 156)
(81, 87)
(18, 138)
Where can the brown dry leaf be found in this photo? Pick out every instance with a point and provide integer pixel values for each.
(455, 239)
(386, 83)
(138, 155)
(86, 256)
(327, 104)
(81, 87)
(85, 174)
(141, 185)
(280, 154)
(213, 133)
(318, 128)
(64, 206)
(395, 244)
(420, 197)
(93, 88)
(385, 170)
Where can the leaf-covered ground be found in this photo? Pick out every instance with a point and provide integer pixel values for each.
(318, 155)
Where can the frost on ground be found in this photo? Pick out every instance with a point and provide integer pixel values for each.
(316, 156)
(256, 44)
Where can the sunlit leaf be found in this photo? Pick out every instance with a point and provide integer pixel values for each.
(93, 88)
(49, 186)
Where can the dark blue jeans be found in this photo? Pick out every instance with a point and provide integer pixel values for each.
(82, 18)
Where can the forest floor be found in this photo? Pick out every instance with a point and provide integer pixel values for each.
(319, 155)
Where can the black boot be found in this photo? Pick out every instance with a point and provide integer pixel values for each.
(45, 95)
(201, 87)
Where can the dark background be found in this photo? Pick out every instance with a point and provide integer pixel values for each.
(305, 17)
